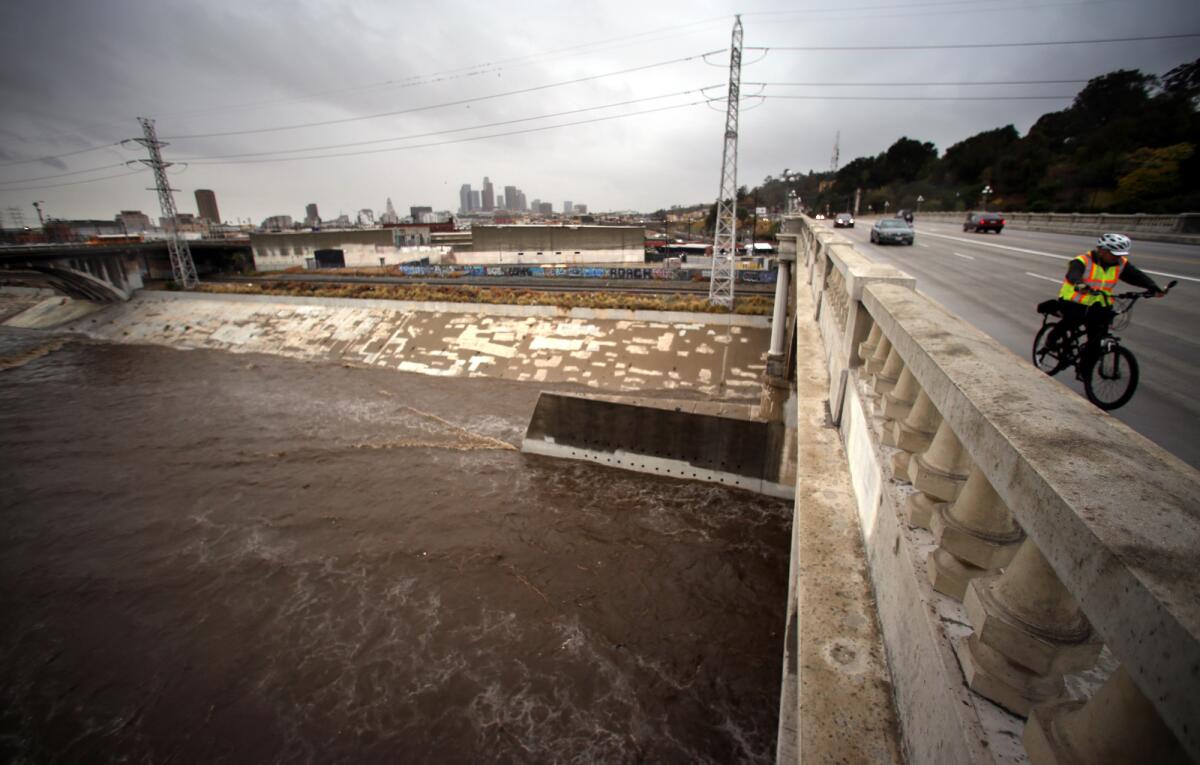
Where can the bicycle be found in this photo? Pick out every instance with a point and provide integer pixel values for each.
(1111, 381)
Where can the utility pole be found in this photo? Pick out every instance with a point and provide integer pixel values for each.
(857, 200)
(720, 289)
(182, 266)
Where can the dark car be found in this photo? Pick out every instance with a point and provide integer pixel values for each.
(888, 230)
(906, 215)
(982, 221)
(843, 220)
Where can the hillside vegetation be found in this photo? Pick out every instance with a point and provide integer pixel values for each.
(1128, 143)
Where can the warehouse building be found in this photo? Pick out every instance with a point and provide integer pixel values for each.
(344, 249)
(531, 244)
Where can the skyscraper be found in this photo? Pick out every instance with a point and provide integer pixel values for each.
(489, 195)
(464, 198)
(510, 198)
(311, 216)
(521, 203)
(206, 203)
(476, 203)
(568, 208)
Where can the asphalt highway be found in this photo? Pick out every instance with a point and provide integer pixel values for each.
(995, 281)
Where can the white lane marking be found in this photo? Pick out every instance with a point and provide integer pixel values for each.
(922, 244)
(959, 254)
(1052, 255)
(1039, 276)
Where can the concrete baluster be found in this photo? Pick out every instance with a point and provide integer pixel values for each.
(898, 402)
(941, 470)
(976, 536)
(937, 474)
(1029, 632)
(1118, 725)
(886, 378)
(879, 355)
(867, 347)
(914, 433)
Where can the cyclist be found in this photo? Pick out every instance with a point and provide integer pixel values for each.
(1086, 293)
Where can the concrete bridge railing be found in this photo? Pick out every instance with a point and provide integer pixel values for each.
(1016, 536)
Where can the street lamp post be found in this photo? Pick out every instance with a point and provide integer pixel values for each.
(986, 191)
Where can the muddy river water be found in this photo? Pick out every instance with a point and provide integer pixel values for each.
(216, 557)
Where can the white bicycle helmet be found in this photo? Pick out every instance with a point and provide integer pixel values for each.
(1117, 244)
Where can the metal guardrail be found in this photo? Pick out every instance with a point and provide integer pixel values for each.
(1058, 528)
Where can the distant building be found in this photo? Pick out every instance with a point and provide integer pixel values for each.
(510, 197)
(500, 203)
(568, 208)
(489, 195)
(134, 221)
(277, 223)
(389, 215)
(206, 203)
(403, 243)
(546, 208)
(579, 209)
(312, 218)
(421, 214)
(535, 205)
(521, 201)
(533, 244)
(476, 203)
(464, 198)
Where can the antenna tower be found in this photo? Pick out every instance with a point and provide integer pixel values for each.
(182, 266)
(833, 163)
(720, 290)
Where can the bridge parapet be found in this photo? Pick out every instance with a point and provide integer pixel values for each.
(1012, 532)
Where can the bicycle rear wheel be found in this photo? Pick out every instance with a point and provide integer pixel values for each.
(1043, 358)
(1111, 381)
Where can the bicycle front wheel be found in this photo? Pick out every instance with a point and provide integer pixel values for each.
(1111, 381)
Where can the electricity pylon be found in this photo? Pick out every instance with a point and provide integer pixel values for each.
(720, 290)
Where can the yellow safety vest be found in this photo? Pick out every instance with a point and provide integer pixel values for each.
(1098, 278)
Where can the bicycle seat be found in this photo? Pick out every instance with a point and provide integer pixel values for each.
(1048, 307)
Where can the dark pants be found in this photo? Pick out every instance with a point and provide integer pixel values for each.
(1094, 318)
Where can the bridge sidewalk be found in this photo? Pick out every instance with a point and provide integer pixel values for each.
(837, 704)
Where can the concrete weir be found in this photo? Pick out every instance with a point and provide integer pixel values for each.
(670, 438)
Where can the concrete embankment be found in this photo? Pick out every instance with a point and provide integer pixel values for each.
(628, 351)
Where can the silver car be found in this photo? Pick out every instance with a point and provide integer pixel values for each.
(892, 231)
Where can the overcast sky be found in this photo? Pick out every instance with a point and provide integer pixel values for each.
(77, 74)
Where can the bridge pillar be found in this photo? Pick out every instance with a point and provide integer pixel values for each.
(779, 317)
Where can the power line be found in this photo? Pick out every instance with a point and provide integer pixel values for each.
(60, 156)
(207, 160)
(481, 68)
(63, 175)
(72, 183)
(459, 102)
(974, 45)
(921, 98)
(922, 84)
(465, 140)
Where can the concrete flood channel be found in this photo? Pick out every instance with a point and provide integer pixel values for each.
(234, 531)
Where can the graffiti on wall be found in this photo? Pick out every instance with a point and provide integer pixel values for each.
(583, 272)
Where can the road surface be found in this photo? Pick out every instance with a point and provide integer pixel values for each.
(995, 282)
